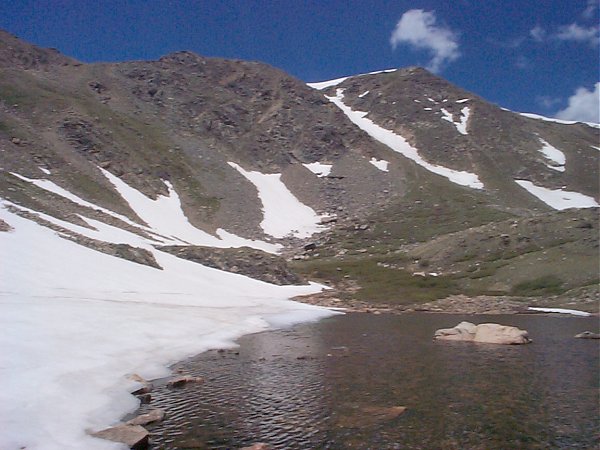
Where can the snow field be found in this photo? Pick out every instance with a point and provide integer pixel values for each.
(557, 198)
(76, 321)
(75, 325)
(283, 213)
(400, 145)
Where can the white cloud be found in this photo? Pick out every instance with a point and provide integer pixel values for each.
(537, 33)
(418, 29)
(577, 33)
(584, 106)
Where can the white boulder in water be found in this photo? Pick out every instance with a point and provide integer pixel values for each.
(488, 333)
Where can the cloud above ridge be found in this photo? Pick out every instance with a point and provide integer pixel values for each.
(418, 29)
(584, 106)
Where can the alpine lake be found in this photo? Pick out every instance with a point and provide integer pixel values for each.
(365, 381)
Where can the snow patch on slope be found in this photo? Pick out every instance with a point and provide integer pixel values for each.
(381, 164)
(320, 170)
(573, 312)
(554, 155)
(320, 85)
(75, 322)
(170, 227)
(283, 213)
(464, 117)
(400, 145)
(558, 198)
(552, 119)
(165, 216)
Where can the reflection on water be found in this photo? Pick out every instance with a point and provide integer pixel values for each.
(330, 385)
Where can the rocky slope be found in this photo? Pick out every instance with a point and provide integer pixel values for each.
(173, 126)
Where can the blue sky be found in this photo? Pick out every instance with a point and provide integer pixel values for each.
(527, 55)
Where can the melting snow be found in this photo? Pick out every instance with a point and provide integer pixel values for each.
(462, 100)
(554, 155)
(558, 198)
(363, 94)
(43, 169)
(597, 148)
(165, 217)
(400, 145)
(573, 312)
(464, 117)
(447, 116)
(552, 119)
(381, 164)
(320, 170)
(325, 84)
(75, 322)
(283, 214)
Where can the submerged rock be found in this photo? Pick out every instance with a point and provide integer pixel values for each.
(368, 416)
(258, 446)
(183, 380)
(488, 333)
(587, 335)
(134, 436)
(155, 415)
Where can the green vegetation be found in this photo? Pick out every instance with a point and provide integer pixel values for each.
(544, 285)
(379, 284)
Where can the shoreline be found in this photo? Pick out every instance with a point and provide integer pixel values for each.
(457, 304)
(182, 368)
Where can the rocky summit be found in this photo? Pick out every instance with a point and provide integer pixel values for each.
(396, 187)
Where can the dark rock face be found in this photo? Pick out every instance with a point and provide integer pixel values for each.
(245, 261)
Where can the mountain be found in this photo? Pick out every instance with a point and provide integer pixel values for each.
(428, 158)
(150, 210)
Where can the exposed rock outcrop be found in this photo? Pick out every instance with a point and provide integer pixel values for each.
(488, 333)
(135, 436)
(245, 261)
(588, 335)
(155, 415)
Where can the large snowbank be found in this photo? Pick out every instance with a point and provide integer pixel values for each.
(400, 145)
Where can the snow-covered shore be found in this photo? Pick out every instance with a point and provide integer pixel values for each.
(76, 322)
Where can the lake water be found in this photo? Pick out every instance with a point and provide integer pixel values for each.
(329, 385)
